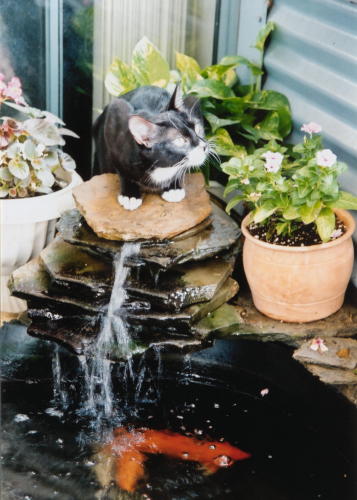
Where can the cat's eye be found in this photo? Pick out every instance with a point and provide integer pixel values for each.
(180, 141)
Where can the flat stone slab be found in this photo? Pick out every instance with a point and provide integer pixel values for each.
(97, 201)
(185, 318)
(333, 376)
(75, 271)
(213, 236)
(340, 353)
(244, 320)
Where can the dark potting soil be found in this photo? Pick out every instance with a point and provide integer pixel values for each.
(304, 234)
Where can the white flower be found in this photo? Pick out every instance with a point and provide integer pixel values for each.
(325, 158)
(40, 149)
(39, 163)
(264, 392)
(245, 181)
(318, 344)
(254, 196)
(336, 233)
(311, 128)
(272, 161)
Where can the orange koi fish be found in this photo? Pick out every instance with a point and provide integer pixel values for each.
(130, 450)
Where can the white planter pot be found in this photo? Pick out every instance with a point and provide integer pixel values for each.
(27, 226)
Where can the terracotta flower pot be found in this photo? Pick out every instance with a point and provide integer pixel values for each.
(299, 284)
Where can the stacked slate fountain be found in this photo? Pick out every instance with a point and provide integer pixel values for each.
(181, 274)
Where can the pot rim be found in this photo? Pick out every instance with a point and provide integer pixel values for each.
(344, 215)
(14, 211)
(36, 199)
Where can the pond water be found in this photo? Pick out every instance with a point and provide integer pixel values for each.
(249, 394)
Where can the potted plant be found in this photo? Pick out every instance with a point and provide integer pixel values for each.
(36, 180)
(298, 251)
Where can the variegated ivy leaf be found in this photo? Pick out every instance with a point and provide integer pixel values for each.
(5, 174)
(29, 151)
(14, 150)
(4, 191)
(35, 112)
(45, 176)
(39, 163)
(66, 131)
(43, 189)
(149, 66)
(19, 168)
(43, 132)
(67, 162)
(120, 78)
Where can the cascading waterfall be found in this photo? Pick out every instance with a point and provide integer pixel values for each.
(113, 336)
(59, 393)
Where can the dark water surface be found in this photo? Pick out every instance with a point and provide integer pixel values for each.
(299, 433)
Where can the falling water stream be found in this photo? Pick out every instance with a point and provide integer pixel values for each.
(113, 335)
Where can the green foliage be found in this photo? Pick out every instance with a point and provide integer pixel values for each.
(238, 117)
(300, 185)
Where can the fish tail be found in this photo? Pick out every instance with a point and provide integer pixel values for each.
(129, 469)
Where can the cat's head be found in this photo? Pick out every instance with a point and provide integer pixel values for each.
(174, 137)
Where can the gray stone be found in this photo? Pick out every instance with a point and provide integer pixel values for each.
(245, 321)
(222, 234)
(75, 271)
(341, 353)
(31, 281)
(185, 318)
(333, 376)
(185, 285)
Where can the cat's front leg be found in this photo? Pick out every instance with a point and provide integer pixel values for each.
(174, 193)
(130, 196)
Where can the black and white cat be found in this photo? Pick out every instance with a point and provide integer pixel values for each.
(150, 139)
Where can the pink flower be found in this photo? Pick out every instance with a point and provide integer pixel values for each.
(318, 344)
(264, 392)
(325, 158)
(272, 161)
(311, 128)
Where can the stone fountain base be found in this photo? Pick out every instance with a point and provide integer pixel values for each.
(181, 274)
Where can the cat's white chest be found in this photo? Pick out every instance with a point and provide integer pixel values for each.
(163, 175)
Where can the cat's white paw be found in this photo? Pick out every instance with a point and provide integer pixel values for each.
(174, 195)
(129, 203)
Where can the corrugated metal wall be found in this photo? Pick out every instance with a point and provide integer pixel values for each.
(312, 58)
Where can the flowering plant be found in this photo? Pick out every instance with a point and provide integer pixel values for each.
(30, 159)
(291, 186)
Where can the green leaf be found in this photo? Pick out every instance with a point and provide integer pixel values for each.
(148, 64)
(291, 213)
(234, 201)
(270, 100)
(263, 35)
(232, 185)
(346, 201)
(211, 88)
(282, 227)
(216, 122)
(189, 68)
(269, 127)
(119, 78)
(309, 214)
(261, 213)
(235, 61)
(224, 145)
(224, 73)
(325, 224)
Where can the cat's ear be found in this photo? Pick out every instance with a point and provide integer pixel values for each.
(143, 131)
(176, 101)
